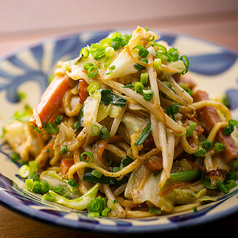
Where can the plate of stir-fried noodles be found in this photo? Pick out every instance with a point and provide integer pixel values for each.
(120, 131)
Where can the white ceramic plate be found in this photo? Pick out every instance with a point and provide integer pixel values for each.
(213, 67)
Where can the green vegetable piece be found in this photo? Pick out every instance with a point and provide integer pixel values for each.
(185, 175)
(207, 183)
(145, 133)
(186, 63)
(104, 133)
(45, 186)
(106, 211)
(207, 145)
(109, 97)
(78, 203)
(33, 176)
(222, 186)
(191, 128)
(64, 149)
(97, 173)
(93, 71)
(104, 180)
(219, 147)
(138, 86)
(147, 94)
(87, 154)
(14, 157)
(173, 109)
(24, 171)
(230, 128)
(97, 204)
(72, 182)
(79, 121)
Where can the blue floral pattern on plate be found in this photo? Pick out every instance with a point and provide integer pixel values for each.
(28, 70)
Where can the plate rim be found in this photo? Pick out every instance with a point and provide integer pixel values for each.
(102, 228)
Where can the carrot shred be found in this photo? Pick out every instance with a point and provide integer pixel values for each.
(65, 165)
(102, 145)
(136, 60)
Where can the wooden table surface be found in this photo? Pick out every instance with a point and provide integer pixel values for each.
(218, 23)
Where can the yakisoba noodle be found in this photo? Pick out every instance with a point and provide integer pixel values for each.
(123, 116)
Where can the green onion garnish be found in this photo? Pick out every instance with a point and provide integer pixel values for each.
(93, 88)
(138, 86)
(92, 71)
(191, 128)
(104, 133)
(90, 154)
(87, 66)
(219, 147)
(97, 173)
(84, 52)
(157, 64)
(93, 130)
(24, 171)
(144, 78)
(64, 149)
(186, 63)
(145, 133)
(147, 94)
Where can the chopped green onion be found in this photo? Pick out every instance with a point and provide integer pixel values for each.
(157, 64)
(37, 187)
(29, 184)
(14, 157)
(97, 173)
(142, 51)
(104, 133)
(219, 147)
(107, 61)
(201, 152)
(90, 154)
(109, 51)
(24, 171)
(138, 86)
(128, 86)
(45, 186)
(185, 175)
(230, 128)
(79, 120)
(64, 149)
(144, 78)
(207, 183)
(232, 176)
(92, 71)
(150, 38)
(230, 183)
(105, 211)
(222, 186)
(195, 209)
(111, 69)
(172, 109)
(155, 210)
(186, 63)
(33, 176)
(72, 182)
(88, 65)
(234, 163)
(84, 52)
(58, 119)
(93, 88)
(207, 145)
(147, 94)
(48, 197)
(107, 159)
(145, 133)
(191, 128)
(97, 128)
